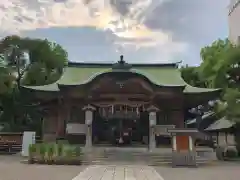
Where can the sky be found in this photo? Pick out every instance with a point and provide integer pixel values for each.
(144, 31)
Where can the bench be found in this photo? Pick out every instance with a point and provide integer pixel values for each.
(9, 147)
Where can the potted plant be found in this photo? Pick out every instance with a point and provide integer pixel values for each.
(50, 153)
(59, 154)
(78, 155)
(31, 150)
(59, 150)
(42, 152)
(69, 156)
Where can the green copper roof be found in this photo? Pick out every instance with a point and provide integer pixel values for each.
(50, 87)
(191, 89)
(160, 75)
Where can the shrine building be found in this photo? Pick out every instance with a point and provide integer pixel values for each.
(117, 104)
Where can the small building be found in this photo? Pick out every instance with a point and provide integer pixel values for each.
(213, 130)
(223, 130)
(119, 103)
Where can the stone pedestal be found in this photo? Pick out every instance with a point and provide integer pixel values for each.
(88, 144)
(88, 121)
(183, 149)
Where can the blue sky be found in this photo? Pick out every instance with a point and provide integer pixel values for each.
(145, 31)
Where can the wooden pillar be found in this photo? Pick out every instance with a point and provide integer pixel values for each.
(88, 121)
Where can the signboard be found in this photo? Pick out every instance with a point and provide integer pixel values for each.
(75, 128)
(28, 139)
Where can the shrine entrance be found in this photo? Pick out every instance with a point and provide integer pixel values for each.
(120, 125)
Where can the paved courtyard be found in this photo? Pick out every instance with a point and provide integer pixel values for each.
(12, 169)
(119, 173)
(223, 171)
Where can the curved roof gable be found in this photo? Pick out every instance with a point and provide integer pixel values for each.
(158, 74)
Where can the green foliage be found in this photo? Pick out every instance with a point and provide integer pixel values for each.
(191, 76)
(50, 151)
(32, 149)
(221, 69)
(42, 150)
(55, 153)
(28, 62)
(46, 59)
(6, 81)
(69, 152)
(215, 63)
(77, 151)
(60, 149)
(232, 98)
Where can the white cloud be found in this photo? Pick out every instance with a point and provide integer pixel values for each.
(130, 31)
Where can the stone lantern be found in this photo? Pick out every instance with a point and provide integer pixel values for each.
(152, 123)
(88, 121)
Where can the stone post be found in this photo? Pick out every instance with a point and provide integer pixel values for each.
(88, 121)
(152, 123)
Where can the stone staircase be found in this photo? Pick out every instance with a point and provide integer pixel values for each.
(134, 156)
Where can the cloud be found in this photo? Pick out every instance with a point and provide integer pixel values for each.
(160, 30)
(125, 18)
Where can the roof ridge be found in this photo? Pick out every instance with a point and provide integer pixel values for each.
(102, 64)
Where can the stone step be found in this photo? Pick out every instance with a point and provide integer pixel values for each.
(150, 160)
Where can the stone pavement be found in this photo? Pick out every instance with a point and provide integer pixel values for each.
(219, 171)
(118, 172)
(12, 169)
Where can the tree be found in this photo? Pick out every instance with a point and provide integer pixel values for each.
(35, 61)
(191, 76)
(215, 63)
(221, 69)
(26, 61)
